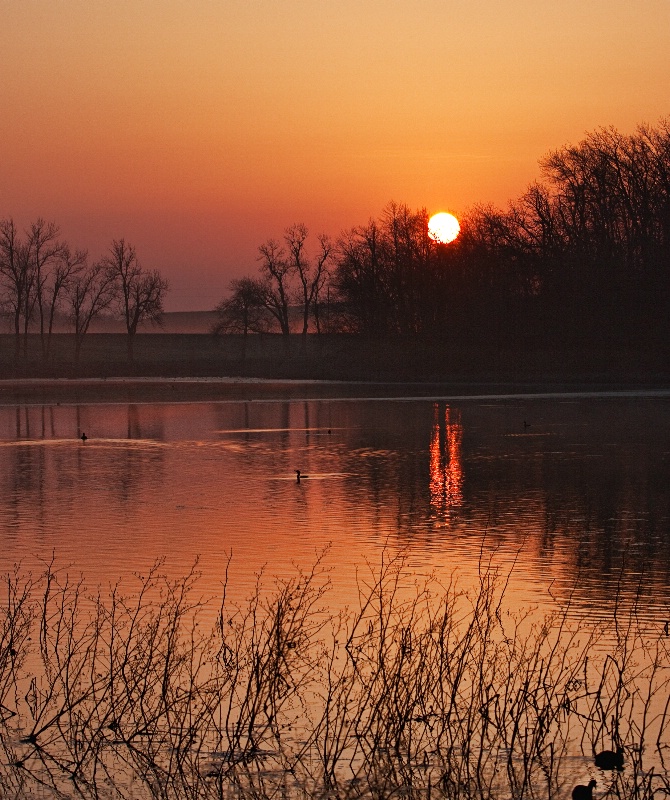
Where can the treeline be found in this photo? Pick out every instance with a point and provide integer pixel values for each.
(583, 254)
(588, 245)
(42, 278)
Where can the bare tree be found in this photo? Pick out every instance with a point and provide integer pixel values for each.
(141, 292)
(90, 292)
(320, 277)
(276, 292)
(45, 252)
(311, 273)
(359, 279)
(14, 275)
(66, 267)
(243, 311)
(34, 271)
(295, 237)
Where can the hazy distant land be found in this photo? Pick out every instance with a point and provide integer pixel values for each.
(173, 322)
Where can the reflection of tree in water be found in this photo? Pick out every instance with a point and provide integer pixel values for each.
(606, 503)
(37, 481)
(26, 474)
(149, 425)
(134, 469)
(446, 464)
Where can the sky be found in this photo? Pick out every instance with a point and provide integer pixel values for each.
(198, 129)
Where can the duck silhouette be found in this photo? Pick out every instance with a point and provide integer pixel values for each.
(610, 759)
(83, 437)
(581, 792)
(299, 475)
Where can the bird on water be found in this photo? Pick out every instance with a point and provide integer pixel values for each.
(83, 437)
(299, 475)
(609, 759)
(581, 792)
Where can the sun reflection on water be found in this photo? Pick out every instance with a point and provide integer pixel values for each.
(446, 464)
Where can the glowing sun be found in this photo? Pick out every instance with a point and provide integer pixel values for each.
(443, 227)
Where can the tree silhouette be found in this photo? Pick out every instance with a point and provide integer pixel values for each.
(91, 291)
(244, 310)
(15, 276)
(141, 292)
(65, 269)
(275, 283)
(311, 273)
(45, 254)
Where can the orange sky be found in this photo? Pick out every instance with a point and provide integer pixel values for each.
(196, 129)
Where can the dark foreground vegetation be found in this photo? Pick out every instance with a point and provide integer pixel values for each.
(417, 690)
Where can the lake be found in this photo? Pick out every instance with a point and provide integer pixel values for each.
(569, 492)
(471, 691)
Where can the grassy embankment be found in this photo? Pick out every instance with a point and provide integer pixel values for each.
(466, 360)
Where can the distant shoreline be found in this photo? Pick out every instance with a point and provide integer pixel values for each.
(193, 367)
(65, 391)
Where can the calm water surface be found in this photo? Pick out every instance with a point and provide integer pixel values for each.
(566, 493)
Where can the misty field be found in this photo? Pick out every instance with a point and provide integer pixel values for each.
(419, 689)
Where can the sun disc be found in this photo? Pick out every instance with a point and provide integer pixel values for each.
(443, 227)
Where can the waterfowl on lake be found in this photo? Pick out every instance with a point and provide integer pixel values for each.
(581, 792)
(609, 759)
(83, 437)
(299, 475)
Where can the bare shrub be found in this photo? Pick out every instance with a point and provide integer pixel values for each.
(420, 689)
